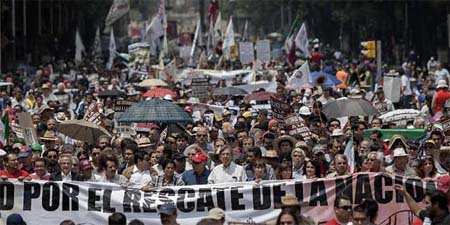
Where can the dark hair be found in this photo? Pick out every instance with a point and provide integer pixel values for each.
(439, 197)
(208, 221)
(256, 151)
(41, 160)
(6, 158)
(67, 222)
(117, 218)
(166, 162)
(107, 155)
(281, 168)
(361, 208)
(372, 208)
(139, 155)
(333, 120)
(338, 199)
(291, 212)
(419, 168)
(316, 165)
(377, 132)
(135, 222)
(285, 155)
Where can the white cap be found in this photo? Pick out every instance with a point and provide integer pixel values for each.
(337, 133)
(304, 110)
(2, 153)
(168, 97)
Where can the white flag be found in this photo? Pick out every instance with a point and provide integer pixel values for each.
(228, 41)
(350, 154)
(301, 41)
(244, 36)
(97, 51)
(196, 36)
(300, 77)
(218, 29)
(79, 48)
(112, 50)
(118, 9)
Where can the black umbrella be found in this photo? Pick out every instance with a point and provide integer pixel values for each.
(349, 107)
(155, 111)
(229, 91)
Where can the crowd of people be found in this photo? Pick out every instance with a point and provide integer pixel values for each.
(241, 144)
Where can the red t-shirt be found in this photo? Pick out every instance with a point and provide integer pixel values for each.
(332, 222)
(18, 173)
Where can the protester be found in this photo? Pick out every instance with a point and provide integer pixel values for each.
(342, 209)
(199, 173)
(117, 218)
(228, 171)
(168, 214)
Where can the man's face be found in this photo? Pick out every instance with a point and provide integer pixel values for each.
(341, 165)
(39, 168)
(361, 129)
(159, 152)
(333, 125)
(202, 136)
(241, 136)
(297, 159)
(36, 119)
(437, 140)
(247, 143)
(169, 170)
(51, 124)
(103, 142)
(65, 165)
(13, 162)
(226, 157)
(250, 157)
(344, 210)
(198, 166)
(285, 146)
(143, 164)
(401, 162)
(168, 220)
(181, 143)
(153, 135)
(95, 154)
(128, 155)
(364, 147)
(360, 218)
(171, 141)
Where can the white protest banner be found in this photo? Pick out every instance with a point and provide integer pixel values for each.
(263, 50)
(89, 202)
(246, 52)
(296, 125)
(390, 87)
(139, 54)
(400, 116)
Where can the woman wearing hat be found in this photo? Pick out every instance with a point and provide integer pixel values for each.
(440, 96)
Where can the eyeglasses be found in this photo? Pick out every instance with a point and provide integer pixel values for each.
(346, 207)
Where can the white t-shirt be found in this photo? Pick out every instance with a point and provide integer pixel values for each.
(406, 85)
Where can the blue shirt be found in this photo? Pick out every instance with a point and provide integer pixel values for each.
(190, 177)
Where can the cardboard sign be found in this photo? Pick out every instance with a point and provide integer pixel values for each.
(200, 87)
(139, 54)
(391, 88)
(122, 105)
(15, 127)
(246, 52)
(263, 50)
(444, 125)
(28, 131)
(295, 126)
(280, 110)
(94, 115)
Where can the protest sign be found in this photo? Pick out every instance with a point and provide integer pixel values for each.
(263, 50)
(15, 127)
(200, 87)
(94, 115)
(391, 88)
(400, 116)
(28, 131)
(295, 126)
(280, 110)
(246, 52)
(139, 54)
(51, 202)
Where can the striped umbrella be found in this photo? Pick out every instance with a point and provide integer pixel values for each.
(155, 111)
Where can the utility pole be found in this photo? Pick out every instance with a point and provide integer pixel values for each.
(378, 61)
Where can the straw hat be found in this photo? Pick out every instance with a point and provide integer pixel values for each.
(49, 136)
(271, 154)
(277, 141)
(399, 152)
(290, 200)
(143, 142)
(442, 84)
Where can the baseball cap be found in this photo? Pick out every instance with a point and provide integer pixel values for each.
(85, 165)
(167, 209)
(36, 147)
(25, 151)
(200, 157)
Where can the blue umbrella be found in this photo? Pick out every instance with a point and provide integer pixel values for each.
(331, 80)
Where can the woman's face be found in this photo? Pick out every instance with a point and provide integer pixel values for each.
(287, 219)
(287, 173)
(310, 170)
(111, 168)
(427, 166)
(259, 171)
(169, 170)
(191, 154)
(332, 167)
(153, 159)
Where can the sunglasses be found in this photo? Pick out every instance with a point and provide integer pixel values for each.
(346, 207)
(201, 135)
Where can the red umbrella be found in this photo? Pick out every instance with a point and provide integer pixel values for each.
(260, 96)
(159, 92)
